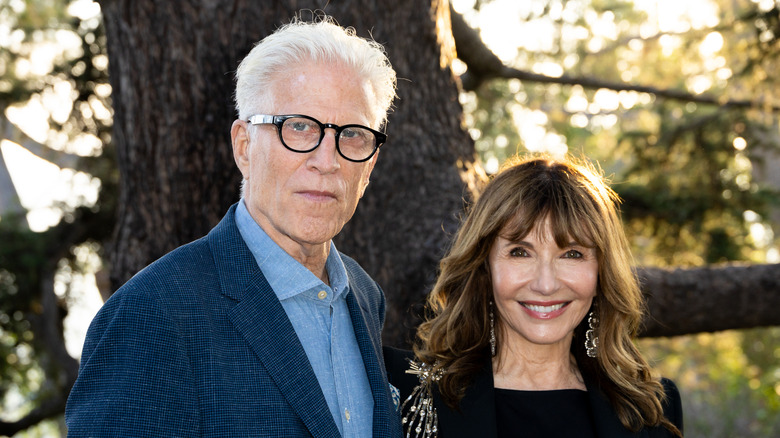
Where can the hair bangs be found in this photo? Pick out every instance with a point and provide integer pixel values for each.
(547, 203)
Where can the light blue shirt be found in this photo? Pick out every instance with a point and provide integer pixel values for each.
(320, 316)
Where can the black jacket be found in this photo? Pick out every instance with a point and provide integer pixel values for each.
(477, 408)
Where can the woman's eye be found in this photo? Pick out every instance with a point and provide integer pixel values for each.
(572, 254)
(518, 252)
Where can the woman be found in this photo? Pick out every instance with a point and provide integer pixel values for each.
(532, 317)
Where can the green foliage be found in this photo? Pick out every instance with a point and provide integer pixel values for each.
(21, 257)
(36, 267)
(686, 184)
(728, 381)
(695, 178)
(693, 194)
(686, 188)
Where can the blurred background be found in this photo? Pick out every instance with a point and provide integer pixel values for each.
(677, 100)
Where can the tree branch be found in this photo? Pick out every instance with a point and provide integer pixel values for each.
(12, 133)
(9, 198)
(708, 299)
(47, 409)
(484, 65)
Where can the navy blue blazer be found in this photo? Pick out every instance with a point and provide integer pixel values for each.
(198, 345)
(476, 415)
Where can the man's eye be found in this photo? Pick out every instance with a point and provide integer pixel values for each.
(349, 133)
(300, 126)
(356, 133)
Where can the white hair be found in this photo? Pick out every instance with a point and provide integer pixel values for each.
(321, 40)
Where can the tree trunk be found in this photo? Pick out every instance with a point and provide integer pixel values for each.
(171, 69)
(405, 220)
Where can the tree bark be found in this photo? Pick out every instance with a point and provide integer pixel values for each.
(171, 70)
(406, 218)
(708, 299)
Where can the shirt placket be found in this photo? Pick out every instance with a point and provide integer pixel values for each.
(341, 370)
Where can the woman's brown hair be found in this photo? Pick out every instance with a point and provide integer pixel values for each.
(577, 200)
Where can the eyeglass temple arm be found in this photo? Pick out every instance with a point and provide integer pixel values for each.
(259, 119)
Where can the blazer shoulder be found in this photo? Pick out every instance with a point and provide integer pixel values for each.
(673, 403)
(182, 268)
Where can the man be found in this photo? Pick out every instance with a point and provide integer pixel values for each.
(262, 328)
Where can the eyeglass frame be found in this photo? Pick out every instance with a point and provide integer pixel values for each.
(278, 120)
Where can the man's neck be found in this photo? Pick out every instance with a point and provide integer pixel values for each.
(313, 258)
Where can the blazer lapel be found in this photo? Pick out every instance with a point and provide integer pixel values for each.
(477, 416)
(260, 318)
(384, 425)
(605, 419)
(477, 412)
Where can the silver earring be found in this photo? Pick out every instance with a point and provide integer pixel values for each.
(492, 332)
(591, 339)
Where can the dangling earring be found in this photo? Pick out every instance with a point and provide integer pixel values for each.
(492, 332)
(591, 338)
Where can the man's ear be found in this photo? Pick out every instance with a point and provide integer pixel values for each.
(239, 137)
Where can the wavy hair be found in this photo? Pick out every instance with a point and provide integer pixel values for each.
(576, 198)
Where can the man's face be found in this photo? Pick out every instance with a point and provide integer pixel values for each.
(302, 200)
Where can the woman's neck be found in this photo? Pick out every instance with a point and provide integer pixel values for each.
(536, 368)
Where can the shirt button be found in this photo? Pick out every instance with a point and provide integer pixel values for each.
(322, 295)
(346, 414)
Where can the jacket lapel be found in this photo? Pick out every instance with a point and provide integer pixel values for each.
(477, 416)
(605, 419)
(260, 318)
(369, 344)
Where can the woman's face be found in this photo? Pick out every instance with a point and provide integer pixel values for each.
(540, 290)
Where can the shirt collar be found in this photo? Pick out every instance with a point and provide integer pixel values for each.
(286, 276)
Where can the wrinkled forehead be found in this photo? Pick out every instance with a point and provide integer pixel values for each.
(332, 87)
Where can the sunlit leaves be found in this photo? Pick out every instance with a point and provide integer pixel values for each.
(53, 59)
(698, 180)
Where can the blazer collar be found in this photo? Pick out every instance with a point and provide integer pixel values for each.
(605, 419)
(260, 318)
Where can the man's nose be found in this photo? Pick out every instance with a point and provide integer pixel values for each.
(326, 157)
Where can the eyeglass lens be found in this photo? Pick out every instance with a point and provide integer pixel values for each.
(303, 134)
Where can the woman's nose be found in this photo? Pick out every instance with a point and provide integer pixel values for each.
(545, 279)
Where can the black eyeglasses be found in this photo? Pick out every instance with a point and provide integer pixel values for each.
(300, 133)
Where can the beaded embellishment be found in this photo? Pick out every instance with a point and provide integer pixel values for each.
(591, 339)
(421, 419)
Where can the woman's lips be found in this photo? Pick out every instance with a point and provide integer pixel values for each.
(544, 310)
